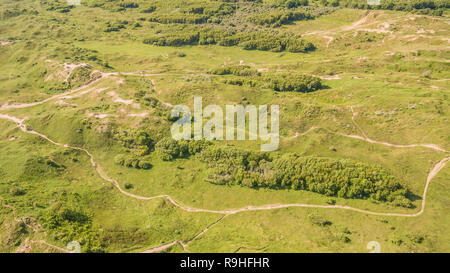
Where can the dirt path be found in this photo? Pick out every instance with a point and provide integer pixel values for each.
(50, 245)
(162, 247)
(438, 167)
(325, 33)
(430, 146)
(330, 39)
(184, 244)
(62, 95)
(102, 174)
(357, 23)
(354, 115)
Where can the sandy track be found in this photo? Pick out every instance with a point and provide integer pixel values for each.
(430, 146)
(325, 33)
(184, 244)
(162, 247)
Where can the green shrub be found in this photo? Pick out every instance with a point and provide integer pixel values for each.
(249, 41)
(238, 70)
(276, 19)
(69, 224)
(294, 82)
(169, 149)
(132, 161)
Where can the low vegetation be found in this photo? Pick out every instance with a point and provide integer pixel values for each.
(335, 67)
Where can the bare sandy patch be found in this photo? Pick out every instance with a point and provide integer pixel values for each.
(332, 77)
(98, 115)
(118, 99)
(143, 114)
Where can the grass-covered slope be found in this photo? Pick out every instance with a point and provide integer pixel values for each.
(363, 96)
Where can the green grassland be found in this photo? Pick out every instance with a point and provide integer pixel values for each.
(383, 73)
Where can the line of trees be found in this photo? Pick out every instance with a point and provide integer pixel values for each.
(293, 82)
(328, 176)
(276, 19)
(169, 149)
(245, 75)
(274, 42)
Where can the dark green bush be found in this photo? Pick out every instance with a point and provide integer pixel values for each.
(276, 19)
(293, 82)
(169, 149)
(70, 224)
(132, 161)
(237, 70)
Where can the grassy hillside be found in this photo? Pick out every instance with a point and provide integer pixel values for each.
(358, 87)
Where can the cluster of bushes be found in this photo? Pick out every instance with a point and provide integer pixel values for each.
(111, 5)
(276, 19)
(166, 148)
(275, 42)
(290, 4)
(243, 81)
(128, 5)
(174, 39)
(327, 176)
(133, 161)
(169, 149)
(245, 75)
(115, 26)
(72, 224)
(237, 70)
(147, 9)
(78, 77)
(140, 141)
(79, 54)
(250, 41)
(57, 5)
(179, 18)
(293, 82)
(195, 14)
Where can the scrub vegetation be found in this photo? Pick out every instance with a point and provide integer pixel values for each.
(86, 96)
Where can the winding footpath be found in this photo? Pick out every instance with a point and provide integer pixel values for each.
(20, 123)
(441, 164)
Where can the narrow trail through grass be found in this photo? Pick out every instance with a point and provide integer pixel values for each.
(22, 126)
